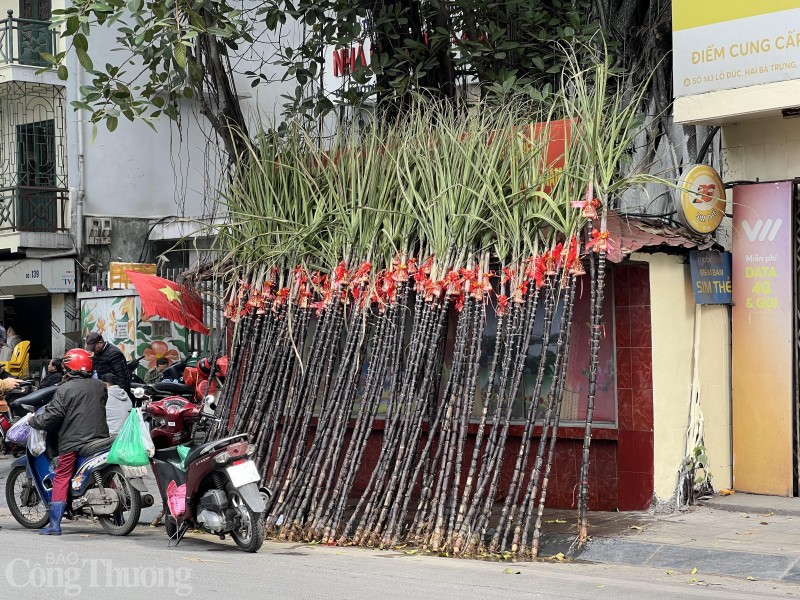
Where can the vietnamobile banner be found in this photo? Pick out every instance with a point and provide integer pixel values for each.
(726, 44)
(762, 338)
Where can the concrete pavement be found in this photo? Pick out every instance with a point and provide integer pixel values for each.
(681, 555)
(748, 538)
(87, 563)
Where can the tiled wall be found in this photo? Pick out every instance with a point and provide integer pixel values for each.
(621, 460)
(634, 387)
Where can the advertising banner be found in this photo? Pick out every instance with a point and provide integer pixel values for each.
(727, 44)
(762, 326)
(711, 276)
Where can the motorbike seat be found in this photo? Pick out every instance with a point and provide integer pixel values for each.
(168, 387)
(97, 446)
(36, 398)
(197, 452)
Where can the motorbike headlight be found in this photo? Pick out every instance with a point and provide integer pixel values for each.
(138, 393)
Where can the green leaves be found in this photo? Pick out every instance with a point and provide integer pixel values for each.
(180, 55)
(84, 59)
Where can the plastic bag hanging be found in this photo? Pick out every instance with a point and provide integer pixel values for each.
(37, 441)
(129, 448)
(20, 430)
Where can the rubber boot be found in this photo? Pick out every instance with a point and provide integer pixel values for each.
(56, 513)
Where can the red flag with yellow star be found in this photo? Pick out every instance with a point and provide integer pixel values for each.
(169, 300)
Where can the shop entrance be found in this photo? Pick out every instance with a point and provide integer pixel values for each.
(31, 317)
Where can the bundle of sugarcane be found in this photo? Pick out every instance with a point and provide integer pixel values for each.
(365, 267)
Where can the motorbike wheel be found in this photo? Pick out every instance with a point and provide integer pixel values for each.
(250, 535)
(124, 521)
(24, 501)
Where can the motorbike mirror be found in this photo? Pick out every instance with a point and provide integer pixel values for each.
(210, 404)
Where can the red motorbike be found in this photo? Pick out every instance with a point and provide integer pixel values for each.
(217, 481)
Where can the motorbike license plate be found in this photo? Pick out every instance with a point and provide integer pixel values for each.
(243, 474)
(135, 471)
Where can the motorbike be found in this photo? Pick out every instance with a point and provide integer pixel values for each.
(111, 493)
(222, 493)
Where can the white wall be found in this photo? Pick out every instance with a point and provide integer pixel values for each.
(767, 149)
(673, 326)
(140, 173)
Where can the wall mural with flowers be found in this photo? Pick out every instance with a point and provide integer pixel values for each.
(119, 318)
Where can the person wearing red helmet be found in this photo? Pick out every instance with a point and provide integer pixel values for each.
(77, 413)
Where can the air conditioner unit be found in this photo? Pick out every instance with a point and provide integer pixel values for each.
(98, 231)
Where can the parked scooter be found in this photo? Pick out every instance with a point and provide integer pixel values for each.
(222, 494)
(222, 481)
(110, 493)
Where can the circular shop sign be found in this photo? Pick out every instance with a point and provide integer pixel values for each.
(701, 198)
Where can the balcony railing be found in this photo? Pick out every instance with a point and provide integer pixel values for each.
(36, 209)
(22, 41)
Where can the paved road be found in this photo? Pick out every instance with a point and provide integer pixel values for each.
(87, 563)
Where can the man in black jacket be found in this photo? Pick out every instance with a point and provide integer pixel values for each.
(78, 413)
(107, 358)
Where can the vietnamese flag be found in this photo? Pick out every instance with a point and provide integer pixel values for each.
(169, 300)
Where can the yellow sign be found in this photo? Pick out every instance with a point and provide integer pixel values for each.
(701, 200)
(687, 14)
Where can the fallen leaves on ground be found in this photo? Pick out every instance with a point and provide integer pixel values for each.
(694, 571)
(670, 572)
(751, 578)
(637, 527)
(727, 492)
(560, 521)
(509, 571)
(197, 559)
(745, 515)
(769, 514)
(560, 556)
(600, 585)
(763, 523)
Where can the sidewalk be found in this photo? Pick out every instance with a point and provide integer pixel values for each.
(741, 535)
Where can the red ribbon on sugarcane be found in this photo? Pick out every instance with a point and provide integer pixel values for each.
(340, 274)
(502, 305)
(600, 241)
(572, 261)
(588, 205)
(482, 288)
(519, 294)
(422, 275)
(453, 283)
(399, 271)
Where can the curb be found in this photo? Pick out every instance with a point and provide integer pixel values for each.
(731, 563)
(732, 505)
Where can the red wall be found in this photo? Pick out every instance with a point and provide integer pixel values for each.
(621, 460)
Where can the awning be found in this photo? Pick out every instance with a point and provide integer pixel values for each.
(35, 277)
(629, 234)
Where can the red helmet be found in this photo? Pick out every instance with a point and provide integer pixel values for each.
(78, 360)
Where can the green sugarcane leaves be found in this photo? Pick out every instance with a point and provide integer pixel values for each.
(366, 265)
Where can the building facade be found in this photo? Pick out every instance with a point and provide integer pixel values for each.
(737, 67)
(70, 205)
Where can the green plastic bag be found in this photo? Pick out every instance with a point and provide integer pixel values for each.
(130, 448)
(183, 452)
